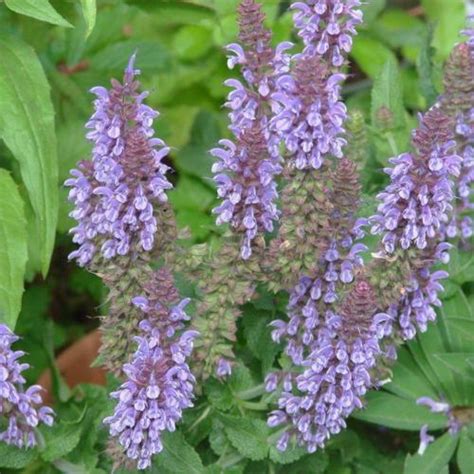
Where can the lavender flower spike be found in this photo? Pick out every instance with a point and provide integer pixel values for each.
(309, 115)
(327, 27)
(336, 375)
(21, 409)
(116, 194)
(418, 199)
(159, 384)
(246, 168)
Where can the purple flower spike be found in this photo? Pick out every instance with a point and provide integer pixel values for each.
(327, 27)
(309, 115)
(115, 193)
(159, 384)
(22, 409)
(417, 202)
(336, 374)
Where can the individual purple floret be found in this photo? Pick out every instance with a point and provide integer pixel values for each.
(223, 368)
(418, 200)
(454, 424)
(22, 410)
(246, 167)
(327, 27)
(336, 375)
(159, 384)
(425, 440)
(308, 113)
(115, 194)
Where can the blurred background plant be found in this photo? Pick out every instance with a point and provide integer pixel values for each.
(51, 53)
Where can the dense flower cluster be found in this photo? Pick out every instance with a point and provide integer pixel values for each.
(159, 384)
(115, 193)
(419, 198)
(245, 170)
(336, 375)
(308, 113)
(327, 27)
(22, 409)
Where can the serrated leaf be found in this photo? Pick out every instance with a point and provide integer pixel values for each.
(13, 250)
(39, 9)
(394, 412)
(178, 456)
(292, 454)
(465, 454)
(89, 11)
(12, 457)
(60, 440)
(27, 128)
(248, 436)
(434, 459)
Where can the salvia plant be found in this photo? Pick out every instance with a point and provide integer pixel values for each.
(288, 288)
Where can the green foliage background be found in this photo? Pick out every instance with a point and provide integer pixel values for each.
(51, 54)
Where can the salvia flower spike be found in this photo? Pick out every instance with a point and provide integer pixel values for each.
(246, 167)
(336, 374)
(115, 193)
(22, 409)
(159, 384)
(327, 27)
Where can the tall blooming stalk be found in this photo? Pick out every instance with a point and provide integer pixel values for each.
(21, 408)
(411, 214)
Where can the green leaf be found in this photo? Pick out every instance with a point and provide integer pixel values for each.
(388, 114)
(12, 457)
(192, 42)
(434, 459)
(457, 362)
(449, 19)
(89, 11)
(61, 439)
(371, 54)
(177, 456)
(372, 9)
(389, 410)
(38, 9)
(465, 454)
(248, 436)
(13, 250)
(425, 68)
(152, 56)
(27, 128)
(292, 454)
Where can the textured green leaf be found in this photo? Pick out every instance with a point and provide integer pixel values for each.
(372, 9)
(389, 410)
(449, 19)
(38, 9)
(12, 457)
(13, 250)
(457, 362)
(248, 436)
(27, 128)
(425, 68)
(465, 454)
(60, 440)
(434, 459)
(178, 456)
(371, 54)
(89, 11)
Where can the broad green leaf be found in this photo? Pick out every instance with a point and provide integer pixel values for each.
(13, 250)
(38, 9)
(461, 266)
(61, 439)
(177, 456)
(248, 436)
(408, 380)
(192, 42)
(388, 114)
(27, 128)
(389, 410)
(89, 11)
(372, 9)
(152, 56)
(434, 459)
(12, 457)
(425, 68)
(449, 19)
(457, 362)
(371, 54)
(465, 454)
